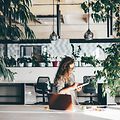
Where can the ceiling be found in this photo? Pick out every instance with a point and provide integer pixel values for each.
(73, 20)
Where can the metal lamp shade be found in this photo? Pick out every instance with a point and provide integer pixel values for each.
(53, 36)
(88, 35)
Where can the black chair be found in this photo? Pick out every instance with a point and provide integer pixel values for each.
(90, 88)
(43, 87)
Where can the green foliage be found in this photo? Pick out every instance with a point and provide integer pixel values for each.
(22, 60)
(89, 60)
(9, 62)
(111, 69)
(100, 10)
(4, 72)
(14, 18)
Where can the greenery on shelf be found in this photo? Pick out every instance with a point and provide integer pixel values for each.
(22, 60)
(4, 72)
(76, 51)
(89, 60)
(29, 60)
(14, 18)
(10, 62)
(110, 73)
(100, 10)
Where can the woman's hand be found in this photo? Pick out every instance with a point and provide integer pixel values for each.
(79, 88)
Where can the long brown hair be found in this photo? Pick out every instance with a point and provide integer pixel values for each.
(63, 68)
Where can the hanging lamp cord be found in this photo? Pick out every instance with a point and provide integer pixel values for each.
(88, 14)
(53, 15)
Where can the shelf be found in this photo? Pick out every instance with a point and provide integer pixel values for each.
(24, 41)
(36, 41)
(95, 40)
(10, 96)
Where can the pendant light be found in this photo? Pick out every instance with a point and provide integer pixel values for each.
(88, 35)
(53, 35)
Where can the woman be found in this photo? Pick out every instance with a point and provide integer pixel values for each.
(64, 81)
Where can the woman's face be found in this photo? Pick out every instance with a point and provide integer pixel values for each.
(71, 68)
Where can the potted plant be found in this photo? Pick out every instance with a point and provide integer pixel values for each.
(44, 60)
(110, 73)
(5, 73)
(76, 54)
(29, 62)
(12, 62)
(22, 61)
(55, 62)
(89, 60)
(35, 62)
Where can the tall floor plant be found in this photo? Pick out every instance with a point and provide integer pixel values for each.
(111, 69)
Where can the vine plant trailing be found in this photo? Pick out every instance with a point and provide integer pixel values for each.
(100, 10)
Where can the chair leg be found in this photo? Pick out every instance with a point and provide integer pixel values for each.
(91, 101)
(43, 98)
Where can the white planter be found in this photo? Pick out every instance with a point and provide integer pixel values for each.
(21, 64)
(42, 64)
(29, 64)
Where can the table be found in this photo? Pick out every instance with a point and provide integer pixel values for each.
(38, 112)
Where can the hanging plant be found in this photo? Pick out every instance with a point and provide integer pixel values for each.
(100, 11)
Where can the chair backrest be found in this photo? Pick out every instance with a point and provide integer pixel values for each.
(43, 83)
(90, 88)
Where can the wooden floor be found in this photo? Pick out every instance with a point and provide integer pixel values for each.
(42, 112)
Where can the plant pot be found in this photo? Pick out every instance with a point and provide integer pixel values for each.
(55, 63)
(42, 64)
(21, 64)
(29, 64)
